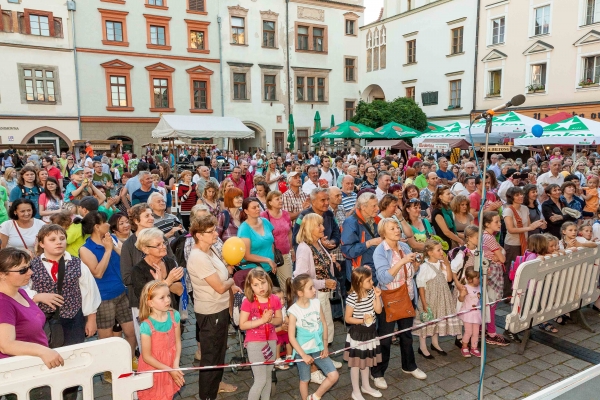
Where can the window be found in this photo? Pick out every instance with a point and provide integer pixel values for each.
(238, 29)
(349, 109)
(39, 85)
(200, 89)
(161, 93)
(158, 32)
(410, 92)
(429, 98)
(495, 82)
(200, 95)
(118, 86)
(300, 88)
(6, 24)
(39, 25)
(350, 27)
(118, 91)
(542, 20)
(311, 38)
(411, 51)
(197, 36)
(498, 30)
(455, 94)
(302, 38)
(592, 14)
(156, 3)
(457, 40)
(114, 31)
(350, 66)
(239, 86)
(269, 34)
(115, 27)
(320, 89)
(157, 35)
(197, 40)
(310, 89)
(591, 70)
(161, 87)
(408, 5)
(270, 87)
(196, 5)
(538, 77)
(303, 143)
(279, 142)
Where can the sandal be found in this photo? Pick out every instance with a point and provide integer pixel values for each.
(227, 388)
(547, 327)
(561, 320)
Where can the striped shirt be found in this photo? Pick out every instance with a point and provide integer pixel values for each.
(348, 201)
(166, 222)
(364, 306)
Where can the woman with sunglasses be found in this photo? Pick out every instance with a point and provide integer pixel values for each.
(22, 228)
(21, 320)
(412, 192)
(413, 221)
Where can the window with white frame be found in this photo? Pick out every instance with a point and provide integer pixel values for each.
(542, 20)
(270, 87)
(498, 29)
(455, 89)
(591, 70)
(39, 85)
(592, 12)
(39, 25)
(494, 83)
(239, 86)
(538, 77)
(157, 35)
(238, 30)
(114, 31)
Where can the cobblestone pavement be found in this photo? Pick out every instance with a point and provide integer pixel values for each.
(508, 375)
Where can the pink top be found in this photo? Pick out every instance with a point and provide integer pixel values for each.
(258, 334)
(472, 300)
(475, 202)
(281, 232)
(27, 321)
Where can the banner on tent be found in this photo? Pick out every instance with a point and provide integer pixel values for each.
(433, 146)
(496, 149)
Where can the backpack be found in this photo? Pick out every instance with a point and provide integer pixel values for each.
(518, 261)
(178, 248)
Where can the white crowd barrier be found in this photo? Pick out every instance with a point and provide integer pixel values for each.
(18, 375)
(576, 387)
(546, 289)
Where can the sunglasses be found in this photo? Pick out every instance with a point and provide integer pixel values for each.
(22, 271)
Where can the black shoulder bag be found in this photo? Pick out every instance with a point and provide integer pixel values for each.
(52, 328)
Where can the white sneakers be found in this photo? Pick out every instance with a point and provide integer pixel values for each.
(337, 364)
(417, 373)
(380, 383)
(317, 377)
(372, 392)
(281, 366)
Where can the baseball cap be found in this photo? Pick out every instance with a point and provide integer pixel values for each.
(292, 174)
(90, 203)
(511, 172)
(75, 170)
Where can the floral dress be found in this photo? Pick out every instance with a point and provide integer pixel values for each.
(322, 263)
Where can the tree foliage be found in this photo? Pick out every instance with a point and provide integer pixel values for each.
(402, 110)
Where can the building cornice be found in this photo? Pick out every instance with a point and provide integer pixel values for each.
(311, 69)
(146, 55)
(456, 21)
(33, 47)
(331, 4)
(406, 14)
(267, 66)
(36, 117)
(121, 120)
(239, 64)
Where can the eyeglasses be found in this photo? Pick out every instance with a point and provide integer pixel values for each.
(160, 246)
(211, 231)
(22, 271)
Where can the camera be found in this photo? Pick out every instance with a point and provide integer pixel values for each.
(419, 258)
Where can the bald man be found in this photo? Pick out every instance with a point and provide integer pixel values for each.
(348, 194)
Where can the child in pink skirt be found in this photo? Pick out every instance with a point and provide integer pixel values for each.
(470, 296)
(282, 332)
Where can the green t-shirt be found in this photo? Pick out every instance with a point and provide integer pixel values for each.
(119, 164)
(3, 200)
(101, 179)
(421, 182)
(159, 326)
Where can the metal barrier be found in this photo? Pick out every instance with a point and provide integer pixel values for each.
(19, 375)
(546, 289)
(581, 386)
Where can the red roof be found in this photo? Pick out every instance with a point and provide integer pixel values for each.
(557, 117)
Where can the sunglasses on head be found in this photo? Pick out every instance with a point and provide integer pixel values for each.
(412, 201)
(22, 271)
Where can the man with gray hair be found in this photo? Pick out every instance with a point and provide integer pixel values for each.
(348, 195)
(384, 181)
(141, 195)
(313, 179)
(167, 223)
(202, 178)
(319, 204)
(360, 236)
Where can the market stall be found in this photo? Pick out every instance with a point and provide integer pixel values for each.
(573, 131)
(184, 126)
(504, 128)
(450, 131)
(109, 146)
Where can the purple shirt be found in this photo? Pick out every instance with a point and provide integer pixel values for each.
(28, 321)
(281, 232)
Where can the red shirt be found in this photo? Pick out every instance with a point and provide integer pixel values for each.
(55, 173)
(89, 151)
(412, 160)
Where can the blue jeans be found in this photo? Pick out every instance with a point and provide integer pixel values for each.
(324, 364)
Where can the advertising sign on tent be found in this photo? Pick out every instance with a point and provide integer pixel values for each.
(433, 146)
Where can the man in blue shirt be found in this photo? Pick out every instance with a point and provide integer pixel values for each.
(141, 195)
(446, 176)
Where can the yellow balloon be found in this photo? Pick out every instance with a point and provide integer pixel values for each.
(233, 250)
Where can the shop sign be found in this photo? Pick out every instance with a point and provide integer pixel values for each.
(433, 146)
(101, 146)
(9, 128)
(497, 149)
(11, 138)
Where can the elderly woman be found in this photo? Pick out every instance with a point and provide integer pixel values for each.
(156, 266)
(282, 232)
(359, 233)
(462, 217)
(257, 234)
(120, 226)
(167, 223)
(312, 258)
(442, 217)
(551, 210)
(21, 320)
(395, 267)
(186, 192)
(212, 286)
(210, 198)
(22, 228)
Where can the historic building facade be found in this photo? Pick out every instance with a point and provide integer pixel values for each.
(38, 94)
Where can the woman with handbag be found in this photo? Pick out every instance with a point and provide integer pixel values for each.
(282, 232)
(22, 228)
(395, 267)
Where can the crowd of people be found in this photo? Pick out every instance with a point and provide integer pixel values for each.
(92, 244)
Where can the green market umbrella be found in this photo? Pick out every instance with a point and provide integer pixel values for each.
(431, 127)
(573, 131)
(331, 125)
(450, 131)
(317, 125)
(394, 130)
(349, 130)
(291, 138)
(317, 137)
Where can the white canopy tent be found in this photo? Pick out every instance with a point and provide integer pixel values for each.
(192, 126)
(507, 126)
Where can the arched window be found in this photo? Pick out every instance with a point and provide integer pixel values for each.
(383, 35)
(376, 44)
(369, 39)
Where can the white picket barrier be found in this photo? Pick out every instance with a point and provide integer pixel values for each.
(18, 375)
(546, 289)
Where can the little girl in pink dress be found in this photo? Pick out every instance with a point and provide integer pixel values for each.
(470, 296)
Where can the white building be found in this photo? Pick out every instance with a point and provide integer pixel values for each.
(423, 49)
(38, 96)
(298, 58)
(139, 59)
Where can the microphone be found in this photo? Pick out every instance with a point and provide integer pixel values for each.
(515, 101)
